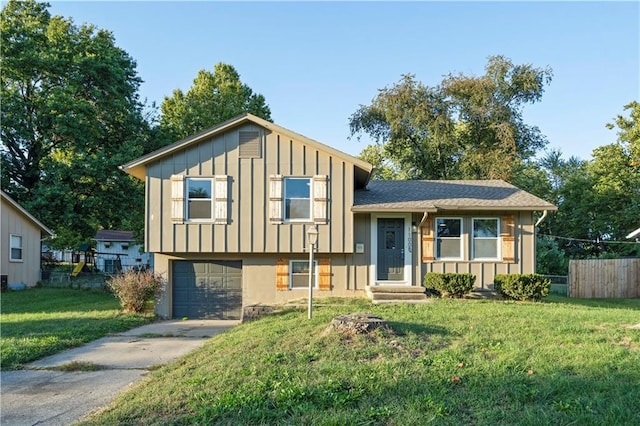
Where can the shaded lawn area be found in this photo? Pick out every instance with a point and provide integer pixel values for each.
(42, 321)
(450, 362)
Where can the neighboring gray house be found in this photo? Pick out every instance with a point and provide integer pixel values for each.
(21, 245)
(227, 213)
(118, 251)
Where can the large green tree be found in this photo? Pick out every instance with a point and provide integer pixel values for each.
(598, 200)
(70, 116)
(465, 127)
(213, 98)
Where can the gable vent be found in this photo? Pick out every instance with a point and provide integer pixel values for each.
(249, 144)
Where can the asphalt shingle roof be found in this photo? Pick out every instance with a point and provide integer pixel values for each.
(113, 235)
(434, 195)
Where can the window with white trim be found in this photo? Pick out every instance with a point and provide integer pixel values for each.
(199, 198)
(206, 199)
(485, 235)
(15, 250)
(297, 199)
(299, 274)
(448, 238)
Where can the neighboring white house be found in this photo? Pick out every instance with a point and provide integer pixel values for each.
(117, 251)
(20, 248)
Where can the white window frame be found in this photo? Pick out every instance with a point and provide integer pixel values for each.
(460, 238)
(496, 238)
(211, 200)
(315, 273)
(12, 247)
(309, 218)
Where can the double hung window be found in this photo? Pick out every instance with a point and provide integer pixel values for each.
(15, 248)
(199, 199)
(299, 274)
(485, 238)
(297, 199)
(449, 238)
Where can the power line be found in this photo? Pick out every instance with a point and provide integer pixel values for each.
(589, 241)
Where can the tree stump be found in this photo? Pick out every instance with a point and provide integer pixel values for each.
(357, 323)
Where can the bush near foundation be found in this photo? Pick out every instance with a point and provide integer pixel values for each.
(134, 288)
(522, 286)
(450, 284)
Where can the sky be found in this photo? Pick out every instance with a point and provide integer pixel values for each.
(317, 62)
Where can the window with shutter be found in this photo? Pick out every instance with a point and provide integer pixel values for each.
(206, 199)
(484, 234)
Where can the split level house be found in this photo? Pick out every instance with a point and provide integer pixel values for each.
(21, 245)
(228, 210)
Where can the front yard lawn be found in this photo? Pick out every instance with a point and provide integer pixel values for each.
(41, 321)
(450, 362)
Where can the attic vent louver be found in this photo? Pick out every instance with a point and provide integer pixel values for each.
(249, 144)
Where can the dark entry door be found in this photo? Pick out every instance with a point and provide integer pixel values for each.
(390, 249)
(207, 289)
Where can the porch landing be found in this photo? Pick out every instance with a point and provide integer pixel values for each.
(396, 294)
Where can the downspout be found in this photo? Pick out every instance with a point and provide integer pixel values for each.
(535, 240)
(544, 214)
(424, 218)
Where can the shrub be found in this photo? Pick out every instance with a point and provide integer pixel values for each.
(522, 286)
(450, 285)
(134, 288)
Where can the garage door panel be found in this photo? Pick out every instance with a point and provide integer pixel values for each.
(207, 289)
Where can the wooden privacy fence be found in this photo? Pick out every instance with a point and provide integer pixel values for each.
(604, 278)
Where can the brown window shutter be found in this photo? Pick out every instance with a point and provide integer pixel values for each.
(320, 199)
(275, 198)
(507, 235)
(282, 274)
(427, 241)
(177, 198)
(324, 274)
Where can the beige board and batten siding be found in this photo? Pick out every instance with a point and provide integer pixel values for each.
(347, 275)
(249, 229)
(16, 221)
(485, 271)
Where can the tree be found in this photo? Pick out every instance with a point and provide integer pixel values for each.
(598, 200)
(212, 99)
(70, 116)
(466, 127)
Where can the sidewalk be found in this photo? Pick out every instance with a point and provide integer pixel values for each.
(39, 395)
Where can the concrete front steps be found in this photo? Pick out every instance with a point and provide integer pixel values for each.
(396, 294)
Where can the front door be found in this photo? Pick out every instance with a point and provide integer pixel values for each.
(390, 265)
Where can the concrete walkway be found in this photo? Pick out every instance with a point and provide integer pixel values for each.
(43, 396)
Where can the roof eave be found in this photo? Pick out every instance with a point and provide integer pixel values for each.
(382, 209)
(29, 216)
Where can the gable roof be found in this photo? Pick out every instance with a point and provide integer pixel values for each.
(113, 235)
(26, 214)
(439, 195)
(138, 166)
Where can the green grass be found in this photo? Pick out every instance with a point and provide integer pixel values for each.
(451, 362)
(41, 321)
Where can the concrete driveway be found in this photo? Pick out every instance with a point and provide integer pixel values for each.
(44, 396)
